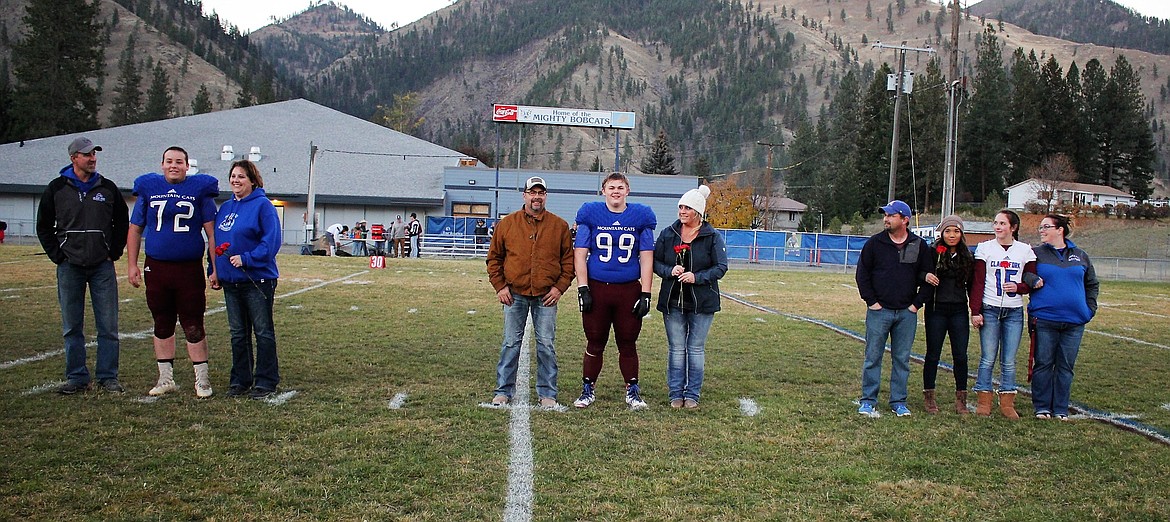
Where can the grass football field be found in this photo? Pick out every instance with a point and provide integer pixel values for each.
(382, 416)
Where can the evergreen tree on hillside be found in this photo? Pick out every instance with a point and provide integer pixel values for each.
(127, 107)
(202, 102)
(6, 114)
(660, 160)
(839, 190)
(1025, 126)
(1083, 149)
(873, 164)
(701, 168)
(983, 146)
(160, 105)
(57, 66)
(804, 149)
(1094, 83)
(1059, 111)
(1131, 162)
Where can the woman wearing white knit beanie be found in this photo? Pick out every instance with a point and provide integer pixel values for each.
(690, 256)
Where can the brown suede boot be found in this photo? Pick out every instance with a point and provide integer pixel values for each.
(961, 402)
(928, 398)
(983, 407)
(1007, 405)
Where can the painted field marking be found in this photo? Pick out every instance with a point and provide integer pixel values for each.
(42, 388)
(851, 287)
(1111, 418)
(281, 398)
(146, 334)
(518, 505)
(397, 401)
(1130, 339)
(1134, 312)
(748, 407)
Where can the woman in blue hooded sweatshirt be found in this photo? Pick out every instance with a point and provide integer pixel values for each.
(1064, 299)
(248, 231)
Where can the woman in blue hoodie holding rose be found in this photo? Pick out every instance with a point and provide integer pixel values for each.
(690, 256)
(248, 230)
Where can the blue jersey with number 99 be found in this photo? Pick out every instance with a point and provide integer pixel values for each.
(172, 214)
(615, 239)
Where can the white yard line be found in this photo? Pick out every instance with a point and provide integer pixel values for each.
(397, 402)
(518, 505)
(1135, 312)
(281, 398)
(1130, 339)
(146, 334)
(748, 407)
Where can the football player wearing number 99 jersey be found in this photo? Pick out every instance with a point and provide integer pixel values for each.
(614, 260)
(173, 211)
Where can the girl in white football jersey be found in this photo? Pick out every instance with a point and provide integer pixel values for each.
(997, 309)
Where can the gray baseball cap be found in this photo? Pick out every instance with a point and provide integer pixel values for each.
(82, 145)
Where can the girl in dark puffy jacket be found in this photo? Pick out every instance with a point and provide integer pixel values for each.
(947, 312)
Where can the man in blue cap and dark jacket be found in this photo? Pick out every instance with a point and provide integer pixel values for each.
(891, 279)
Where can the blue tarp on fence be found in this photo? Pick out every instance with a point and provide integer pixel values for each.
(773, 247)
(757, 246)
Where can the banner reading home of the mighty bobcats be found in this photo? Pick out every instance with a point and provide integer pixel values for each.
(559, 116)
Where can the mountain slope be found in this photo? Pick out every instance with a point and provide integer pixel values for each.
(1113, 25)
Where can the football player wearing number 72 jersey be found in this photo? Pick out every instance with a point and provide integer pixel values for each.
(173, 212)
(614, 260)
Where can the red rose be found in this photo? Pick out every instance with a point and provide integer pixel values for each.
(222, 249)
(1005, 264)
(941, 249)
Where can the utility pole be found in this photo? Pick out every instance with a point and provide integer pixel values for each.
(954, 97)
(311, 205)
(765, 201)
(898, 87)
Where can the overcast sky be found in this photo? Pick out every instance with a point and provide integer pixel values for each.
(250, 15)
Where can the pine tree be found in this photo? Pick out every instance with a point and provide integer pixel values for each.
(160, 105)
(245, 98)
(1094, 83)
(6, 127)
(57, 66)
(701, 168)
(984, 142)
(1131, 164)
(202, 102)
(838, 190)
(127, 107)
(660, 160)
(1025, 126)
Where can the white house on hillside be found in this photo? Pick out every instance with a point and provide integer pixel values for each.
(1032, 190)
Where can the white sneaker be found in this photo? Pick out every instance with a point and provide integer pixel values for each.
(634, 397)
(163, 386)
(203, 389)
(586, 397)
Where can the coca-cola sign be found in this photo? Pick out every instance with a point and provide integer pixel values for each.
(562, 116)
(505, 113)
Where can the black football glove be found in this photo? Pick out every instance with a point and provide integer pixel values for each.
(584, 300)
(642, 306)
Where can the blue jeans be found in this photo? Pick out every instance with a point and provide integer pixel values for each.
(686, 335)
(943, 320)
(999, 336)
(544, 324)
(249, 310)
(414, 245)
(899, 326)
(102, 281)
(1057, 345)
